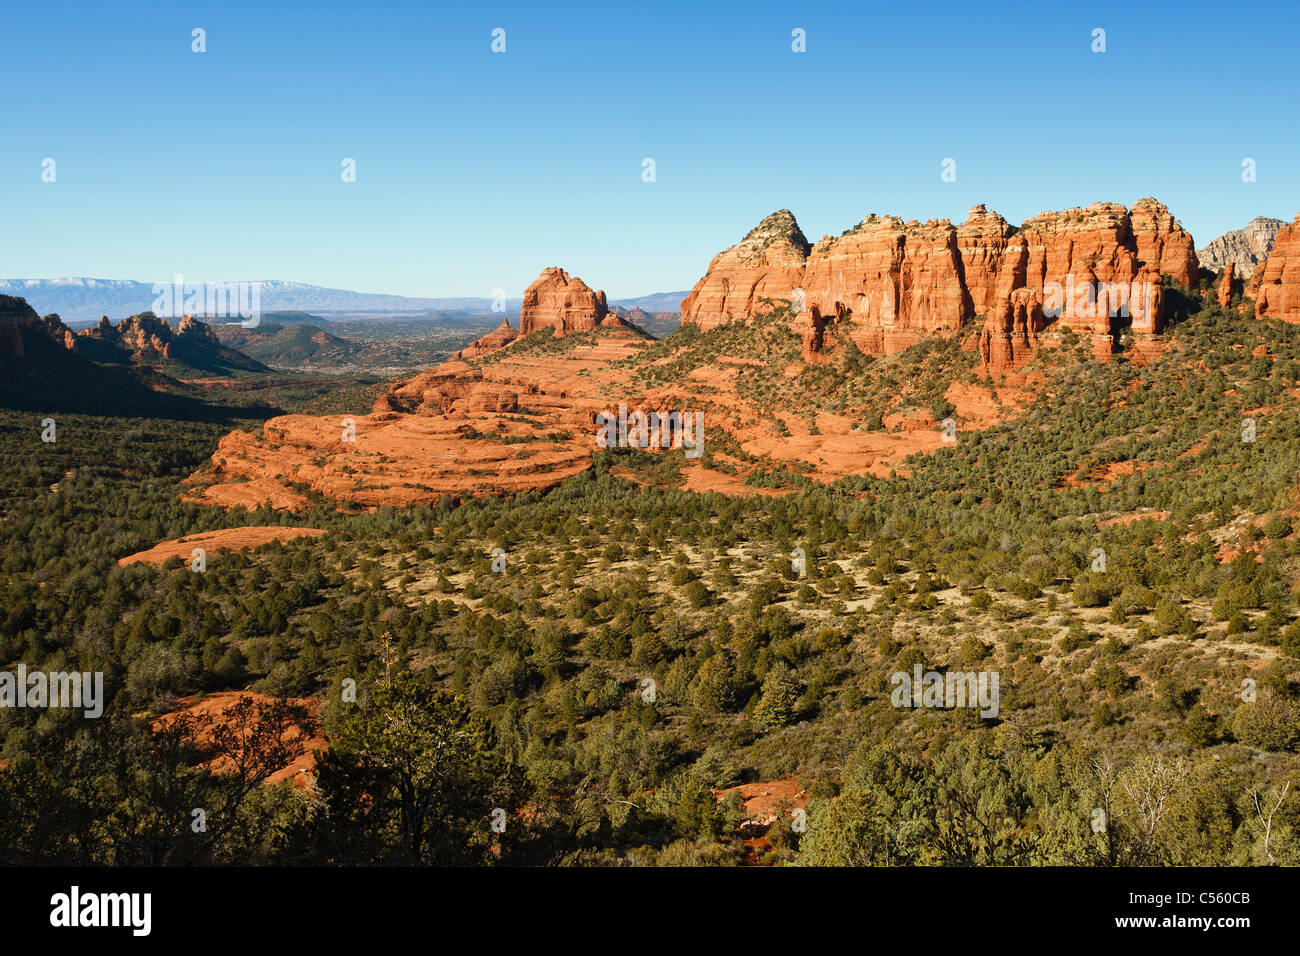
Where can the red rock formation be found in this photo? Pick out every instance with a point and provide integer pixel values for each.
(1066, 255)
(1226, 282)
(886, 283)
(499, 338)
(1010, 333)
(559, 302)
(18, 318)
(1278, 295)
(451, 387)
(1162, 243)
(1146, 301)
(982, 239)
(767, 263)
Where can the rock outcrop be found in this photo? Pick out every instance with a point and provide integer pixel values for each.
(1244, 248)
(557, 301)
(887, 283)
(1162, 243)
(19, 323)
(1278, 293)
(146, 339)
(44, 365)
(767, 264)
(1010, 333)
(1227, 281)
(452, 387)
(499, 338)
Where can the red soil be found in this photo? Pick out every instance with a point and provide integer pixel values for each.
(226, 539)
(217, 706)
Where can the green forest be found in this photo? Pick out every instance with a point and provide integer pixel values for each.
(575, 677)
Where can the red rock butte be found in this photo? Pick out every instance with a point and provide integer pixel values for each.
(560, 302)
(887, 283)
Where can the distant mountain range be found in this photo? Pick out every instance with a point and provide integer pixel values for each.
(81, 300)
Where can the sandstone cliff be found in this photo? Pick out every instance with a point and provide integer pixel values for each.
(767, 263)
(1278, 293)
(887, 283)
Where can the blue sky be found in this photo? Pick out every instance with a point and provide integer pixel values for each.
(475, 170)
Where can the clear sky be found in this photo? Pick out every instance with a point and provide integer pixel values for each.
(475, 170)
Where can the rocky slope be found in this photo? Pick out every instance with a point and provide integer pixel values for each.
(499, 338)
(46, 367)
(887, 283)
(522, 422)
(1244, 248)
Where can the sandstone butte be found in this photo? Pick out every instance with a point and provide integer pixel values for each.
(886, 283)
(1278, 293)
(463, 428)
(558, 302)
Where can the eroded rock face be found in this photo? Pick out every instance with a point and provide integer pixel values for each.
(1010, 333)
(560, 302)
(1278, 295)
(141, 334)
(18, 319)
(451, 388)
(982, 240)
(885, 280)
(767, 263)
(887, 283)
